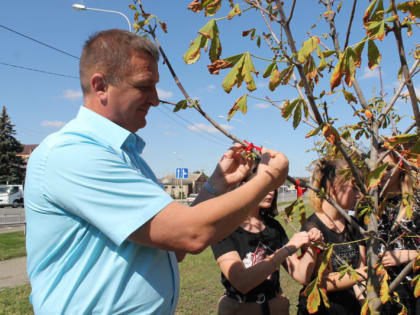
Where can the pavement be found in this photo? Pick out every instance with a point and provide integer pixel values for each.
(13, 271)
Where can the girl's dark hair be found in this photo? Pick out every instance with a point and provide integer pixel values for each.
(324, 174)
(272, 211)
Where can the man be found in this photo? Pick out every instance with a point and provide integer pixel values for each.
(101, 232)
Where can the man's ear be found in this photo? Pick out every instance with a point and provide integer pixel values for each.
(99, 87)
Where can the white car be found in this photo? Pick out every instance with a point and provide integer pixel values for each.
(191, 198)
(11, 195)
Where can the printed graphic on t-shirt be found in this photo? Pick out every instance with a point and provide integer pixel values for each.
(253, 258)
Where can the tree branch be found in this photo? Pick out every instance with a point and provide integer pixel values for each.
(350, 24)
(406, 73)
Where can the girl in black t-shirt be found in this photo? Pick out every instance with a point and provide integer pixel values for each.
(393, 223)
(250, 259)
(343, 294)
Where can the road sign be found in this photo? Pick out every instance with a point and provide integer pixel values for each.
(182, 173)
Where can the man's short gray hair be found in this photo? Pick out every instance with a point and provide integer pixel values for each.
(109, 52)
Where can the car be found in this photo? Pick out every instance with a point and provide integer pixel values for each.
(191, 198)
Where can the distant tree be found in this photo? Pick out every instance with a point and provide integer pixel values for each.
(12, 166)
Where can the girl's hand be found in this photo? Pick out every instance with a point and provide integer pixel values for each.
(392, 258)
(298, 240)
(315, 235)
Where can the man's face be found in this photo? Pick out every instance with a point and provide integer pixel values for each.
(129, 102)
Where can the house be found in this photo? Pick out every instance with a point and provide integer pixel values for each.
(27, 150)
(181, 188)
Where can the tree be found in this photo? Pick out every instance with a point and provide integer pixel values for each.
(314, 62)
(12, 166)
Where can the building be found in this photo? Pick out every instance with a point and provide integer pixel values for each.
(182, 188)
(27, 150)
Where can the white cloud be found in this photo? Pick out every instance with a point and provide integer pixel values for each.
(72, 95)
(368, 74)
(210, 87)
(262, 105)
(52, 123)
(207, 128)
(164, 95)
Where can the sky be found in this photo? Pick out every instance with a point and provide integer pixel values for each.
(40, 104)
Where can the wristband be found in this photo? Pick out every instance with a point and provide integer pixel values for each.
(288, 250)
(210, 188)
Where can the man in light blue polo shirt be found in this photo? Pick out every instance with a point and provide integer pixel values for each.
(103, 237)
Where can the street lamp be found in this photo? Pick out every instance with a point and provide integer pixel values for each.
(82, 7)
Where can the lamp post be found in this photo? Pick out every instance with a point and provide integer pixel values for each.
(82, 7)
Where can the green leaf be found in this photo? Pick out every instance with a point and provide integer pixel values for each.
(350, 61)
(358, 49)
(193, 52)
(402, 139)
(374, 56)
(239, 73)
(132, 7)
(211, 6)
(290, 209)
(269, 69)
(337, 73)
(286, 74)
(313, 132)
(307, 48)
(416, 282)
(325, 260)
(411, 6)
(207, 32)
(240, 104)
(349, 97)
(314, 299)
(274, 79)
(236, 10)
(181, 105)
(288, 108)
(374, 178)
(324, 296)
(259, 41)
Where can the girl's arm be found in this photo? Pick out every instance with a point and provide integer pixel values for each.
(245, 279)
(302, 268)
(360, 289)
(398, 256)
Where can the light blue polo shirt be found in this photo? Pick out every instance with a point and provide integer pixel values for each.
(87, 189)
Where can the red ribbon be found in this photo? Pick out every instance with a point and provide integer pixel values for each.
(251, 146)
(300, 190)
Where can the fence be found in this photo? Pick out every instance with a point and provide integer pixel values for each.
(12, 217)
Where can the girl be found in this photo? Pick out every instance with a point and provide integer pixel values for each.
(393, 223)
(343, 294)
(250, 259)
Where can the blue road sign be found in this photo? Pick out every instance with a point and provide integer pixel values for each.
(182, 173)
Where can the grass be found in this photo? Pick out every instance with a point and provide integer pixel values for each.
(200, 284)
(12, 245)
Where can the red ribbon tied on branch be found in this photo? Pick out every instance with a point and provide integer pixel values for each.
(251, 146)
(300, 190)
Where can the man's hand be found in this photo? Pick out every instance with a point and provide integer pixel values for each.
(275, 165)
(231, 169)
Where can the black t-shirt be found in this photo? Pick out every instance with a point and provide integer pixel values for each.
(342, 302)
(253, 248)
(348, 252)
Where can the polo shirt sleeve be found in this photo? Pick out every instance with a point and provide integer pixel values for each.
(94, 183)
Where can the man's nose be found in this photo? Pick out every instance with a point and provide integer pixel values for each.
(154, 98)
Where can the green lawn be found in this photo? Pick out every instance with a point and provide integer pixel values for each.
(12, 245)
(200, 282)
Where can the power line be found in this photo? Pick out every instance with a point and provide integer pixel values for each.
(39, 42)
(186, 126)
(38, 70)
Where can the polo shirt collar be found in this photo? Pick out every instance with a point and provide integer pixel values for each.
(113, 133)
